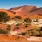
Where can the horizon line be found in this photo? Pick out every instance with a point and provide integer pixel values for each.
(19, 6)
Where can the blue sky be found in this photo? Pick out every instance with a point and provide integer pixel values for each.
(14, 3)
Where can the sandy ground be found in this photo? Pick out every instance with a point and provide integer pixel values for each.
(34, 38)
(4, 38)
(7, 38)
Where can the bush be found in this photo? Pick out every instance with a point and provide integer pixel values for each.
(30, 32)
(36, 33)
(4, 17)
(18, 24)
(3, 31)
(27, 20)
(23, 33)
(40, 33)
(17, 17)
(8, 28)
(40, 28)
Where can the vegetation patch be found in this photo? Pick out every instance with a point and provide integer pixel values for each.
(3, 31)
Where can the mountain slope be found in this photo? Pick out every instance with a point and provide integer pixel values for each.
(22, 10)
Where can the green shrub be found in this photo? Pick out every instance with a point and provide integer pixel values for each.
(27, 20)
(3, 31)
(4, 17)
(8, 28)
(17, 18)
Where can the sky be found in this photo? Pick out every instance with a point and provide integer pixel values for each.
(15, 3)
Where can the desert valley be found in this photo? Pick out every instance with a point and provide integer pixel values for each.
(21, 24)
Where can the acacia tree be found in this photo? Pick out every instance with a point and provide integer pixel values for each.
(4, 17)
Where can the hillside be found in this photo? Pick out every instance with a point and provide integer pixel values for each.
(9, 13)
(22, 10)
(20, 22)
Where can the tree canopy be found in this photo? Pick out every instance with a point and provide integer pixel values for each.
(4, 17)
